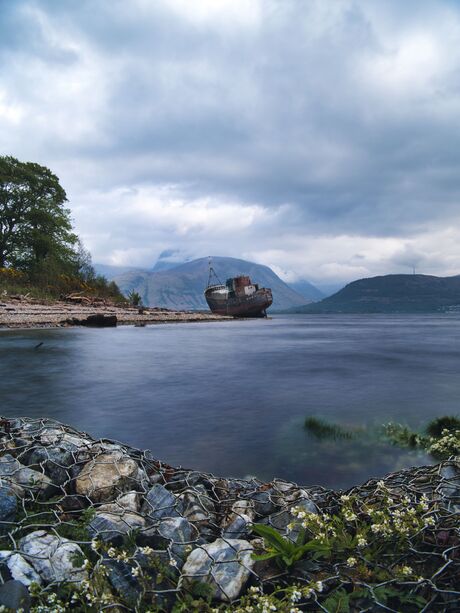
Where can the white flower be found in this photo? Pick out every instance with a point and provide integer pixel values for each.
(406, 571)
(319, 586)
(146, 550)
(95, 544)
(352, 562)
(344, 498)
(172, 562)
(362, 541)
(295, 596)
(111, 552)
(136, 571)
(349, 516)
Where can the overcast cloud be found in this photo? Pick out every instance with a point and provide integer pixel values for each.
(320, 137)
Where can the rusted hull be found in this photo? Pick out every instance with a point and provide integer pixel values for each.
(240, 306)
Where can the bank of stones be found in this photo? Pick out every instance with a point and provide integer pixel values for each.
(71, 505)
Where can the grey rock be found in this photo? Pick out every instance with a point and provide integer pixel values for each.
(120, 576)
(197, 504)
(239, 528)
(281, 520)
(114, 526)
(54, 462)
(19, 569)
(8, 504)
(14, 595)
(160, 503)
(178, 532)
(126, 502)
(31, 481)
(54, 558)
(450, 485)
(265, 502)
(225, 565)
(58, 437)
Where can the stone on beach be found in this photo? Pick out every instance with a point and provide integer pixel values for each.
(225, 565)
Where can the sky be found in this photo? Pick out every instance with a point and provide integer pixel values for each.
(318, 137)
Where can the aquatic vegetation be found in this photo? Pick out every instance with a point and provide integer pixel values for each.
(321, 429)
(442, 438)
(402, 436)
(447, 422)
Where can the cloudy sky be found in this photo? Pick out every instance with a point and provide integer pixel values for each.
(320, 137)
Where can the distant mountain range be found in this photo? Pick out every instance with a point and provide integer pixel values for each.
(181, 286)
(391, 294)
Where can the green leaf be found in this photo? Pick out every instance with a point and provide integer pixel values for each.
(265, 556)
(274, 538)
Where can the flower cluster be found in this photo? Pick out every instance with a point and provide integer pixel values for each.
(446, 446)
(283, 600)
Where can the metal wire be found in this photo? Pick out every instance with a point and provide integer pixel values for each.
(98, 520)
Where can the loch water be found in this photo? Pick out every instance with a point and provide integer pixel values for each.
(231, 397)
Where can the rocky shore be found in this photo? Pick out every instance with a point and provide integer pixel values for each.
(90, 525)
(25, 313)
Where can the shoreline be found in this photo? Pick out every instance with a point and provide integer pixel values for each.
(34, 314)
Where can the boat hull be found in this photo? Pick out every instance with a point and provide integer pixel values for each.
(239, 306)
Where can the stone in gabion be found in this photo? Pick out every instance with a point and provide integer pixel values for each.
(225, 565)
(160, 503)
(107, 475)
(54, 558)
(29, 481)
(264, 502)
(239, 528)
(8, 504)
(19, 569)
(14, 596)
(54, 462)
(112, 527)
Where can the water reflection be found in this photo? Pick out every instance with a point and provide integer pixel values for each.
(231, 397)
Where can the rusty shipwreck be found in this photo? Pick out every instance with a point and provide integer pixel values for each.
(238, 297)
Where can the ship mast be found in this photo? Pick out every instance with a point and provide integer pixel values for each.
(212, 273)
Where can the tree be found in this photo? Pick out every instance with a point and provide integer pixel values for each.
(34, 224)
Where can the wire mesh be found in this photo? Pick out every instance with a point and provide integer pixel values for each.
(96, 525)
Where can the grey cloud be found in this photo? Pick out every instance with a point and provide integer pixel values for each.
(279, 111)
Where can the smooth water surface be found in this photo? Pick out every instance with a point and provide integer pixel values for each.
(231, 397)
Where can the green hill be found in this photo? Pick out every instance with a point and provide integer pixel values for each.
(182, 287)
(392, 294)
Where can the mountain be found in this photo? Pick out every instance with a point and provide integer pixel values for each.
(392, 294)
(307, 290)
(110, 272)
(182, 287)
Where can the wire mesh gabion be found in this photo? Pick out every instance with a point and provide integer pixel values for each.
(96, 525)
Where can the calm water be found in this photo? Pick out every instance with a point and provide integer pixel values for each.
(231, 397)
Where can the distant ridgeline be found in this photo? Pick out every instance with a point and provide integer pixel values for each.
(392, 294)
(182, 285)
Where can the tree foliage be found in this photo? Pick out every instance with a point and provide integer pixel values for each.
(36, 234)
(34, 223)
